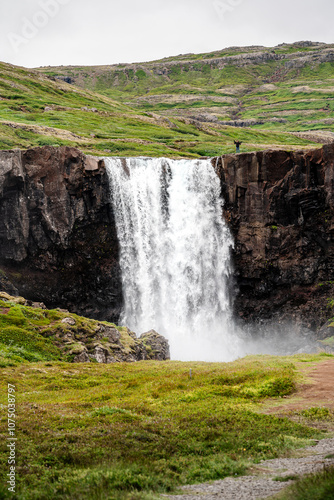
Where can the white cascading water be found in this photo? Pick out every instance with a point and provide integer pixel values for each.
(174, 254)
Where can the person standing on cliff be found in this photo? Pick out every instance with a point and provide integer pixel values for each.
(237, 146)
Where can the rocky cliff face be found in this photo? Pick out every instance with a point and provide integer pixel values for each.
(280, 208)
(58, 241)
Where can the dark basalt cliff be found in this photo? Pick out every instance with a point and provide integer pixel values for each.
(58, 240)
(280, 209)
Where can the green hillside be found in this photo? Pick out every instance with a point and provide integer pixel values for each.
(288, 88)
(113, 111)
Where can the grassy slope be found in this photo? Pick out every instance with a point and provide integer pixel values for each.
(283, 99)
(109, 431)
(35, 110)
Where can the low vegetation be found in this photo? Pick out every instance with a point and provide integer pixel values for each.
(319, 486)
(268, 96)
(133, 430)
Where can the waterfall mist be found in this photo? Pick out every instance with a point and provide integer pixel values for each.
(174, 254)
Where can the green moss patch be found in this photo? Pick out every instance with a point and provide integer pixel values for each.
(31, 342)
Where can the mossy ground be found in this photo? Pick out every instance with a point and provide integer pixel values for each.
(133, 430)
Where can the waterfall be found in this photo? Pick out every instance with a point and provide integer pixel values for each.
(174, 254)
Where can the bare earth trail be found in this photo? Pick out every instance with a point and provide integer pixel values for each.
(317, 390)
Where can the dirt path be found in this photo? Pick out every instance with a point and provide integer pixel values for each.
(317, 390)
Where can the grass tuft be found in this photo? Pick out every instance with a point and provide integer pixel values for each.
(319, 486)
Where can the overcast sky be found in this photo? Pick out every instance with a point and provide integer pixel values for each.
(86, 32)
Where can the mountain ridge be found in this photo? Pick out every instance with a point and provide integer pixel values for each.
(256, 50)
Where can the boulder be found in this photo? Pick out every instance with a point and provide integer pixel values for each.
(156, 346)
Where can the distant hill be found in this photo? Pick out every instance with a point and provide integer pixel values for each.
(285, 88)
(184, 106)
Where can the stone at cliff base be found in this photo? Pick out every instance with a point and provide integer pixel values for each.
(156, 345)
(81, 358)
(327, 330)
(75, 339)
(68, 321)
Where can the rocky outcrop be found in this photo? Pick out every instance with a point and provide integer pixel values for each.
(156, 346)
(111, 344)
(285, 57)
(58, 240)
(280, 207)
(75, 339)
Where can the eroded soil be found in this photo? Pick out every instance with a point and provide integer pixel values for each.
(315, 390)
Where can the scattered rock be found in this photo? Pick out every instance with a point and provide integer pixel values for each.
(68, 321)
(157, 347)
(327, 330)
(37, 305)
(16, 300)
(100, 354)
(81, 358)
(110, 333)
(308, 349)
(106, 343)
